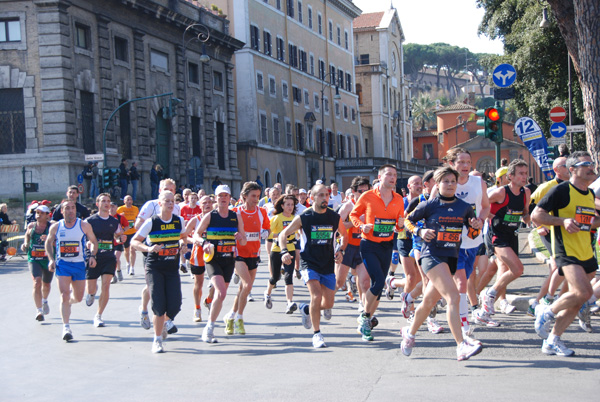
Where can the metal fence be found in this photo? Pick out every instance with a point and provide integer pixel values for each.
(12, 236)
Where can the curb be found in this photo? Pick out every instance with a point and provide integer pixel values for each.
(538, 254)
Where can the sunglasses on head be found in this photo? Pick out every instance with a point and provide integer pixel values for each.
(584, 163)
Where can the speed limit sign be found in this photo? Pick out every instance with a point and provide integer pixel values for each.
(80, 188)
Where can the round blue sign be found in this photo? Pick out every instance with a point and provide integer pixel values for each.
(79, 178)
(558, 130)
(504, 75)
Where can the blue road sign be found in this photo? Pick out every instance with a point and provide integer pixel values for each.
(558, 130)
(504, 75)
(79, 178)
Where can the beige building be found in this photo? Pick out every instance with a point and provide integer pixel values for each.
(295, 51)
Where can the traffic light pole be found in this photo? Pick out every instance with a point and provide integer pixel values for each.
(115, 111)
(498, 155)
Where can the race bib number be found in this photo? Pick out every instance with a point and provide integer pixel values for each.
(383, 227)
(69, 248)
(225, 248)
(105, 246)
(169, 251)
(131, 224)
(584, 216)
(38, 252)
(321, 234)
(448, 237)
(253, 236)
(512, 218)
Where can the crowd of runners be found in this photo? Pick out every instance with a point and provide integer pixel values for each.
(450, 234)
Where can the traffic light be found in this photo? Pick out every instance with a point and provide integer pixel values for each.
(114, 177)
(491, 123)
(171, 111)
(553, 152)
(106, 178)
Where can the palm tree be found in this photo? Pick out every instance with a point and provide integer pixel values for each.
(422, 110)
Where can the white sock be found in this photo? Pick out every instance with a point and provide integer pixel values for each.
(157, 337)
(46, 300)
(238, 316)
(491, 292)
(409, 298)
(210, 324)
(463, 309)
(552, 339)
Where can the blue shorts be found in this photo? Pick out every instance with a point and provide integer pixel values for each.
(76, 270)
(328, 280)
(466, 259)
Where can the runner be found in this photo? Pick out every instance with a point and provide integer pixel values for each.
(65, 250)
(33, 245)
(256, 226)
(189, 210)
(318, 255)
(444, 215)
(383, 210)
(130, 212)
(162, 235)
(107, 229)
(223, 229)
(336, 198)
(118, 244)
(72, 195)
(572, 204)
(509, 205)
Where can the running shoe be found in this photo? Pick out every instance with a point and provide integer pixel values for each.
(318, 341)
(120, 276)
(543, 321)
(197, 315)
(157, 346)
(208, 335)
(236, 279)
(128, 269)
(585, 318)
(206, 303)
(238, 326)
(404, 305)
(433, 326)
(441, 304)
(411, 317)
(465, 350)
(506, 307)
(183, 268)
(488, 303)
(291, 307)
(361, 308)
(408, 342)
(145, 319)
(350, 297)
(364, 327)
(67, 334)
(389, 289)
(484, 318)
(98, 323)
(250, 297)
(89, 299)
(327, 314)
(546, 301)
(45, 308)
(374, 322)
(305, 316)
(228, 326)
(352, 284)
(558, 348)
(39, 316)
(433, 312)
(171, 328)
(471, 341)
(531, 308)
(131, 271)
(114, 279)
(268, 301)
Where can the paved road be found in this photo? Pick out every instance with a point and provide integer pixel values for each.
(275, 361)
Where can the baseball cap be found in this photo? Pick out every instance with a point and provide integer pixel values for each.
(43, 208)
(302, 190)
(319, 182)
(501, 172)
(223, 188)
(45, 202)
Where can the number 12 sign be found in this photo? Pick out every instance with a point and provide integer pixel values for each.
(532, 136)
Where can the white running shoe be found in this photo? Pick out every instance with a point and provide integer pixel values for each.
(543, 321)
(197, 315)
(471, 341)
(291, 307)
(208, 335)
(318, 341)
(145, 319)
(89, 299)
(67, 334)
(433, 326)
(484, 318)
(157, 346)
(466, 350)
(408, 342)
(327, 314)
(236, 279)
(250, 297)
(506, 307)
(268, 301)
(389, 289)
(98, 321)
(488, 303)
(305, 316)
(558, 348)
(45, 308)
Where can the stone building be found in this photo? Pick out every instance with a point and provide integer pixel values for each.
(65, 66)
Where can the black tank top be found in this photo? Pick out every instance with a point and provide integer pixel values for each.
(104, 230)
(221, 233)
(508, 214)
(319, 229)
(167, 234)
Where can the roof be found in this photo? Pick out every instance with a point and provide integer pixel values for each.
(480, 143)
(456, 107)
(368, 20)
(422, 134)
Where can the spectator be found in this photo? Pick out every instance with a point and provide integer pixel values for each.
(123, 177)
(216, 183)
(531, 186)
(134, 176)
(88, 175)
(4, 220)
(563, 150)
(155, 177)
(94, 185)
(259, 182)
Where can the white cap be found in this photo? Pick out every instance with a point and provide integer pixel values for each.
(319, 182)
(43, 208)
(223, 188)
(302, 191)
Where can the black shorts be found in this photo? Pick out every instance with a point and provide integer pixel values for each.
(103, 267)
(510, 240)
(164, 287)
(221, 266)
(118, 247)
(251, 262)
(489, 247)
(588, 266)
(482, 250)
(128, 241)
(38, 271)
(404, 246)
(196, 270)
(429, 262)
(352, 257)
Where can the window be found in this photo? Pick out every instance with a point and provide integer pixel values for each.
(321, 69)
(346, 44)
(330, 30)
(345, 112)
(306, 98)
(293, 55)
(348, 82)
(356, 151)
(12, 121)
(87, 122)
(364, 59)
(326, 104)
(331, 144)
(320, 23)
(284, 90)
(339, 36)
(267, 45)
(321, 142)
(303, 62)
(300, 136)
(280, 49)
(296, 94)
(82, 36)
(332, 74)
(340, 78)
(272, 87)
(384, 95)
(309, 136)
(260, 85)
(121, 49)
(254, 38)
(217, 80)
(366, 145)
(290, 8)
(196, 139)
(193, 75)
(349, 146)
(159, 60)
(312, 65)
(10, 30)
(353, 115)
(427, 151)
(317, 102)
(337, 109)
(359, 93)
(276, 136)
(278, 4)
(300, 12)
(310, 19)
(288, 134)
(264, 134)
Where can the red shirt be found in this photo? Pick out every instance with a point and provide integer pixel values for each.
(384, 218)
(187, 212)
(254, 222)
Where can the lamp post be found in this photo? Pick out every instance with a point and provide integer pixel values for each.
(337, 96)
(396, 117)
(202, 37)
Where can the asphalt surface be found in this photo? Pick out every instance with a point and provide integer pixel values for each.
(275, 361)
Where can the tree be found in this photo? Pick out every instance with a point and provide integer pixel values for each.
(422, 110)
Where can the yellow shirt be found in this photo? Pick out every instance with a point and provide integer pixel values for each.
(130, 214)
(278, 223)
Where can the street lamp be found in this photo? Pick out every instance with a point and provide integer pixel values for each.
(337, 96)
(202, 36)
(396, 118)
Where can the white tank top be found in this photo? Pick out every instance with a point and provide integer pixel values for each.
(70, 243)
(471, 193)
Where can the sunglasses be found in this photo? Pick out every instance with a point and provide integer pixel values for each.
(585, 164)
(360, 191)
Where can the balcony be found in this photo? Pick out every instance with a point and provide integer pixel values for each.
(372, 163)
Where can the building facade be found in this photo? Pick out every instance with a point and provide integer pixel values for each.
(297, 56)
(66, 66)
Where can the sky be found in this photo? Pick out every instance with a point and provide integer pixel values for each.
(429, 21)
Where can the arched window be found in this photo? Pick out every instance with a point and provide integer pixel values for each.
(267, 179)
(279, 178)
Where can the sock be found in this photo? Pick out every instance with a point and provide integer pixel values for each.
(66, 326)
(157, 337)
(409, 298)
(238, 316)
(197, 307)
(550, 313)
(474, 307)
(491, 292)
(317, 332)
(39, 310)
(535, 303)
(552, 339)
(463, 309)
(211, 324)
(46, 300)
(549, 296)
